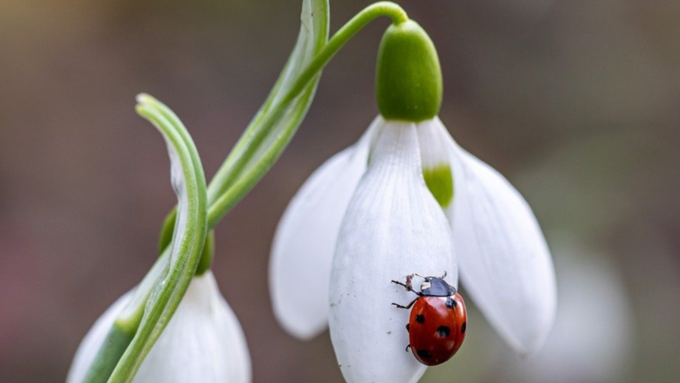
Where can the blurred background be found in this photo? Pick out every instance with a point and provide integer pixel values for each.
(576, 102)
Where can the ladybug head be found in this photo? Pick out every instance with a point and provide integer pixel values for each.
(436, 287)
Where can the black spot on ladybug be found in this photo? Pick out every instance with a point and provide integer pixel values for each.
(420, 318)
(424, 354)
(407, 327)
(450, 303)
(463, 328)
(443, 331)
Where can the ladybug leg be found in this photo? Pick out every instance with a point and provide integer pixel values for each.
(406, 307)
(408, 347)
(408, 286)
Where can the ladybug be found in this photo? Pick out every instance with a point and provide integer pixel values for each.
(438, 320)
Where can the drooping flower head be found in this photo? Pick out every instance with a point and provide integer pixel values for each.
(174, 326)
(202, 343)
(406, 198)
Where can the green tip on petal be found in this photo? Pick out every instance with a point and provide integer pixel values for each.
(408, 79)
(440, 182)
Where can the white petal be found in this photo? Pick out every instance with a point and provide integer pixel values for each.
(305, 239)
(202, 343)
(504, 260)
(393, 227)
(95, 337)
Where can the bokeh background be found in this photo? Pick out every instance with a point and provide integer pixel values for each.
(576, 102)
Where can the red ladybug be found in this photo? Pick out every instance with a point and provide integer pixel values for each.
(437, 322)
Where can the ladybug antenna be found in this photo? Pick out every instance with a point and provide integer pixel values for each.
(444, 276)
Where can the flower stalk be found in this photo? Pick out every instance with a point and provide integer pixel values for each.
(230, 184)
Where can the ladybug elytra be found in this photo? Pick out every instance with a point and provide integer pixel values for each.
(438, 320)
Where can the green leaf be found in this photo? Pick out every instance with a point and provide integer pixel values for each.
(184, 251)
(277, 120)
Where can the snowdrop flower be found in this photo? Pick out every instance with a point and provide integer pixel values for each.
(406, 199)
(202, 343)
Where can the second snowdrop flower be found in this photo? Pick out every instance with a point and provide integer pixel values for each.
(407, 199)
(202, 343)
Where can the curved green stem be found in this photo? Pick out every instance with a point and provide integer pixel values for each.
(230, 183)
(341, 37)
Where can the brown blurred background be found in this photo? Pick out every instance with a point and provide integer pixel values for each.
(576, 102)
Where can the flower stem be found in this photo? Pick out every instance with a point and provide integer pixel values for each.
(230, 181)
(341, 37)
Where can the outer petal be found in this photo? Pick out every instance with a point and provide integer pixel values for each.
(505, 262)
(305, 239)
(393, 227)
(202, 343)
